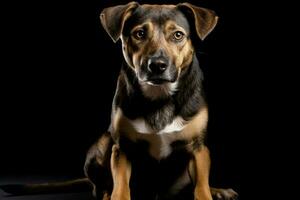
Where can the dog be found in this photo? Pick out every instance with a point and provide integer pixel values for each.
(155, 145)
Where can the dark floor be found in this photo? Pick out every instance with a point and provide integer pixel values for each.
(37, 179)
(75, 196)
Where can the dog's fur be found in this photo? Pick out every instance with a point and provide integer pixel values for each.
(154, 148)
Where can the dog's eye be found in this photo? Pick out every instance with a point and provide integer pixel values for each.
(139, 34)
(178, 35)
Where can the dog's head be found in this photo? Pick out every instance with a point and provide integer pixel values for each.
(156, 39)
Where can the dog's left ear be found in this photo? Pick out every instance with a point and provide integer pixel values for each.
(113, 19)
(205, 19)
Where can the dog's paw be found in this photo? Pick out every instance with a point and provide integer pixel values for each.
(106, 196)
(224, 194)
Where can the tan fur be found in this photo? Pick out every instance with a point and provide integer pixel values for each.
(158, 7)
(103, 146)
(182, 52)
(197, 126)
(106, 196)
(121, 172)
(201, 164)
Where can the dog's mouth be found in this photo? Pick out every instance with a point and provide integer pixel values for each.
(157, 82)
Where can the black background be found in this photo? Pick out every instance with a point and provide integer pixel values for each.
(59, 75)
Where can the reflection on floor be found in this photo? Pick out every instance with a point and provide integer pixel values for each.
(38, 179)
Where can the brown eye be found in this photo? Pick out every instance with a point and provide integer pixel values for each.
(178, 35)
(139, 34)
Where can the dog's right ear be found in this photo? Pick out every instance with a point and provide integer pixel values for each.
(113, 19)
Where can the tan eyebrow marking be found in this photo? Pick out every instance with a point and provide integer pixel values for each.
(170, 26)
(147, 24)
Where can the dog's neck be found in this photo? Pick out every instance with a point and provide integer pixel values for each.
(185, 101)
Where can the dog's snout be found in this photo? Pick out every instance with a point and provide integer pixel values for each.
(157, 65)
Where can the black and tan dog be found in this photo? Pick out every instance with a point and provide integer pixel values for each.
(159, 115)
(154, 148)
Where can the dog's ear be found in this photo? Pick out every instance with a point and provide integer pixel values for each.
(113, 19)
(205, 19)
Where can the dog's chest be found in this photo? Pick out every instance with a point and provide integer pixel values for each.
(143, 127)
(160, 141)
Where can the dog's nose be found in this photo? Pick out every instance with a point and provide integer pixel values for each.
(157, 65)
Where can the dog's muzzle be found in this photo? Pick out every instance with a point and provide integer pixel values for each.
(157, 71)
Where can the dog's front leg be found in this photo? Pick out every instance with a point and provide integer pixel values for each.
(121, 172)
(201, 165)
